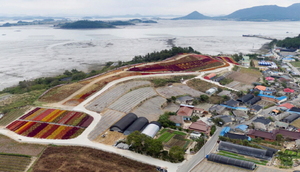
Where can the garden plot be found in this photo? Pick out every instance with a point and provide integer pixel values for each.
(171, 138)
(109, 117)
(111, 95)
(130, 100)
(151, 109)
(239, 86)
(178, 89)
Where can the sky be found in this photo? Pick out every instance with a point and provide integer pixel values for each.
(124, 7)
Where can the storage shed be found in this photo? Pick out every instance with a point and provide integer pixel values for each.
(123, 123)
(210, 76)
(231, 161)
(152, 128)
(137, 125)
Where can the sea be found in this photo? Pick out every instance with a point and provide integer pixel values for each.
(29, 52)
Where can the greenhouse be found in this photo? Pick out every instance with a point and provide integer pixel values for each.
(244, 150)
(152, 129)
(137, 125)
(231, 161)
(123, 123)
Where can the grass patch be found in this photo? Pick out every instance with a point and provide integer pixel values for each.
(296, 64)
(200, 85)
(250, 71)
(165, 137)
(160, 82)
(163, 130)
(240, 157)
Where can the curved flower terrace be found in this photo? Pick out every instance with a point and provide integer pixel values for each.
(189, 62)
(51, 124)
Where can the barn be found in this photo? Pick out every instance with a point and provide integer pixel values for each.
(231, 161)
(152, 129)
(123, 123)
(137, 125)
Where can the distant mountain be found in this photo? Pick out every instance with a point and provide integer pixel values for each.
(267, 12)
(258, 13)
(193, 16)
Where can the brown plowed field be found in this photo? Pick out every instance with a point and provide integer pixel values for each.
(80, 159)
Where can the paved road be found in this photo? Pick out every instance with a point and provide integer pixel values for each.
(200, 155)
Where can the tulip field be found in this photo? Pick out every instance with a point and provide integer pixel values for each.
(191, 62)
(51, 124)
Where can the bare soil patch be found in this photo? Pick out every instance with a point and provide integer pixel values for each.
(8, 145)
(82, 159)
(243, 77)
(110, 137)
(200, 85)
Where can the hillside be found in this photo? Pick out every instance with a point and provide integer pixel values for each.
(267, 12)
(193, 16)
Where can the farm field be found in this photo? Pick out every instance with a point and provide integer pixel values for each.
(178, 89)
(296, 123)
(80, 159)
(130, 100)
(60, 93)
(151, 108)
(14, 163)
(171, 138)
(209, 166)
(239, 86)
(51, 124)
(11, 116)
(190, 62)
(10, 146)
(84, 94)
(243, 77)
(111, 95)
(109, 117)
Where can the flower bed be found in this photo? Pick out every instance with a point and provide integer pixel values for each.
(51, 124)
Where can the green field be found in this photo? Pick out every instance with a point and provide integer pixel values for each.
(241, 157)
(14, 163)
(171, 138)
(296, 64)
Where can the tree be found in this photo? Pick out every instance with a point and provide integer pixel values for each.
(212, 130)
(279, 137)
(195, 118)
(204, 98)
(164, 119)
(218, 121)
(153, 147)
(200, 142)
(176, 154)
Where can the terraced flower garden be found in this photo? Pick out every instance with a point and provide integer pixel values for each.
(228, 59)
(192, 62)
(51, 124)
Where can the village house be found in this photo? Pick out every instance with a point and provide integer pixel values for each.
(255, 109)
(200, 126)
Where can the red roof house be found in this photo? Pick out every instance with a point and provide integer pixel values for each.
(185, 111)
(208, 77)
(288, 90)
(286, 105)
(270, 78)
(200, 126)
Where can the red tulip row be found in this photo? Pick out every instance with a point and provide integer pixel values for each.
(44, 130)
